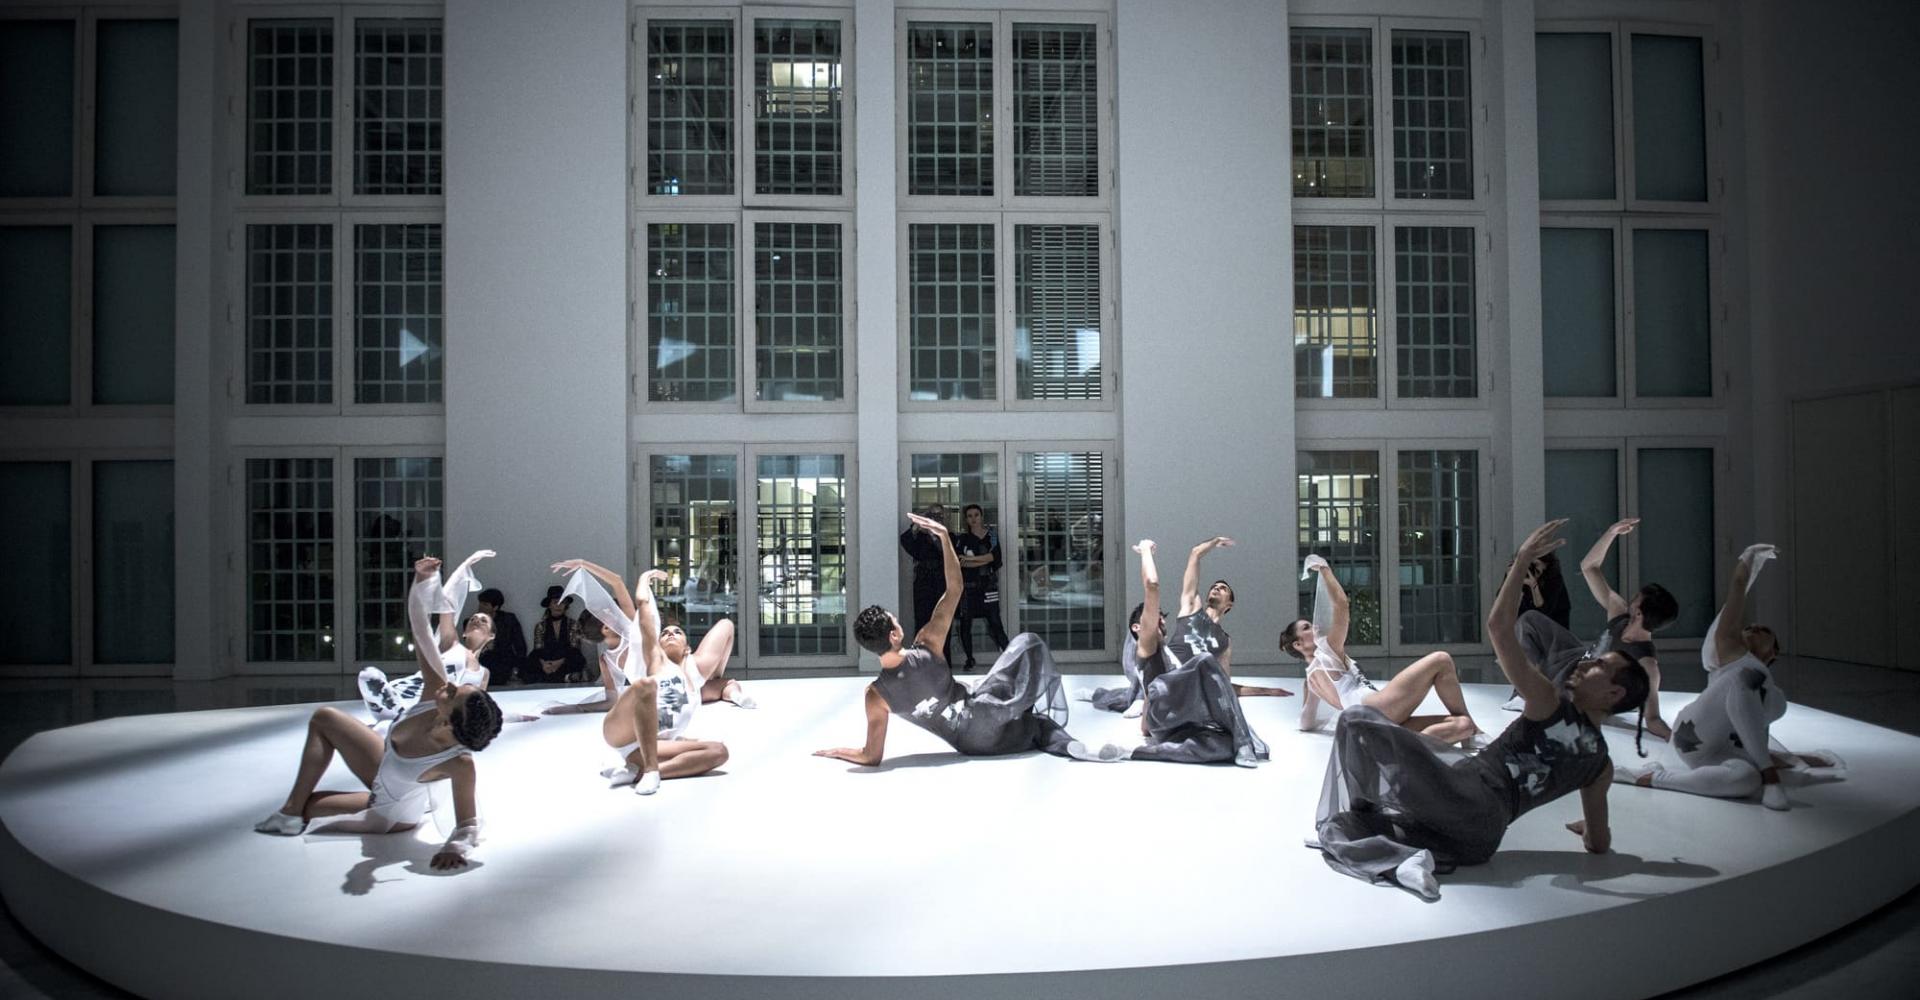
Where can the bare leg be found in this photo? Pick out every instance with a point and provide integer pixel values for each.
(1445, 728)
(325, 803)
(1402, 695)
(715, 649)
(635, 718)
(687, 758)
(1250, 691)
(331, 730)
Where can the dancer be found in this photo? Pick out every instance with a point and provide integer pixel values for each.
(1191, 714)
(650, 700)
(1334, 678)
(460, 655)
(979, 549)
(1545, 591)
(435, 739)
(1011, 709)
(1197, 629)
(1398, 806)
(1722, 735)
(919, 546)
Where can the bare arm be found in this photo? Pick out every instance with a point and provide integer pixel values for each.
(1593, 829)
(1336, 636)
(615, 585)
(934, 635)
(649, 621)
(873, 752)
(1148, 644)
(1525, 676)
(1728, 645)
(1593, 568)
(426, 648)
(1190, 580)
(466, 812)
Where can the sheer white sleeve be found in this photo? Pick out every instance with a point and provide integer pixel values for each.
(1756, 558)
(597, 602)
(454, 591)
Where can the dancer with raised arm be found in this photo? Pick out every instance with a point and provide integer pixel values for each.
(1011, 709)
(1335, 679)
(1191, 715)
(460, 654)
(1723, 736)
(1399, 807)
(435, 739)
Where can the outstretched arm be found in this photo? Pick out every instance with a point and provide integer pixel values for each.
(420, 604)
(1593, 829)
(871, 754)
(1525, 676)
(453, 597)
(649, 620)
(615, 585)
(1337, 626)
(934, 634)
(1148, 643)
(1190, 580)
(1594, 567)
(1728, 643)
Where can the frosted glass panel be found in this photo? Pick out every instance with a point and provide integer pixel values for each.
(1672, 322)
(133, 314)
(1583, 485)
(1576, 116)
(133, 562)
(1676, 533)
(36, 109)
(36, 600)
(36, 315)
(1669, 119)
(1576, 311)
(137, 121)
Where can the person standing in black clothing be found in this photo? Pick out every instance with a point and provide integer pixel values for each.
(979, 549)
(1545, 590)
(929, 581)
(556, 655)
(506, 656)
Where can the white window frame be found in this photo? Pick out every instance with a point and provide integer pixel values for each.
(641, 557)
(1389, 545)
(1618, 202)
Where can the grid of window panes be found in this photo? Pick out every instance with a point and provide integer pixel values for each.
(798, 107)
(1332, 71)
(36, 591)
(1432, 115)
(695, 513)
(1056, 110)
(36, 315)
(290, 81)
(400, 510)
(1062, 508)
(799, 311)
(1057, 318)
(397, 313)
(953, 480)
(133, 562)
(1339, 519)
(36, 108)
(951, 341)
(949, 108)
(690, 113)
(397, 107)
(1335, 312)
(290, 585)
(802, 554)
(1583, 485)
(692, 340)
(289, 313)
(1433, 314)
(1439, 557)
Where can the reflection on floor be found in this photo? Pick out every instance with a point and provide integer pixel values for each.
(1873, 958)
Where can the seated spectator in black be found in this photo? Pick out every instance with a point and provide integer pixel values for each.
(506, 656)
(1545, 590)
(556, 657)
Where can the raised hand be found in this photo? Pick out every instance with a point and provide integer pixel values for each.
(1144, 546)
(1218, 542)
(478, 555)
(928, 524)
(567, 565)
(426, 567)
(1624, 526)
(1542, 541)
(1314, 561)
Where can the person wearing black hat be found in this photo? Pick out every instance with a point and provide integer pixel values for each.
(556, 655)
(506, 657)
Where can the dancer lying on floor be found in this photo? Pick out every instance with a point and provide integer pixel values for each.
(1012, 708)
(387, 700)
(1722, 735)
(650, 699)
(435, 739)
(1397, 806)
(1335, 679)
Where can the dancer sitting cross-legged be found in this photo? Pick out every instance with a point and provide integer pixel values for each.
(1334, 678)
(1397, 806)
(434, 739)
(1722, 736)
(1012, 708)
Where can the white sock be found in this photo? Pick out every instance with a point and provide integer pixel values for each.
(618, 777)
(1133, 711)
(1774, 797)
(745, 700)
(1416, 873)
(1107, 754)
(281, 825)
(1515, 704)
(648, 784)
(1631, 775)
(1246, 758)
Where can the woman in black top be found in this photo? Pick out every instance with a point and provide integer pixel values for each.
(979, 549)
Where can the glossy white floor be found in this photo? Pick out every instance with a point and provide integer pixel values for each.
(128, 850)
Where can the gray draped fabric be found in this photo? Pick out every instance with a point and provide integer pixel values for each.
(1194, 717)
(1019, 705)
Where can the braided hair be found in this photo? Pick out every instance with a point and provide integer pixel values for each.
(1633, 677)
(476, 721)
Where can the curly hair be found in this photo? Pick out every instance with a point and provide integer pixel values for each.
(873, 629)
(477, 721)
(1290, 635)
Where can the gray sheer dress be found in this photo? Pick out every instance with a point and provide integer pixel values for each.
(1019, 705)
(1194, 717)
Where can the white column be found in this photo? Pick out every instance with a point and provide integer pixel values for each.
(877, 337)
(202, 586)
(1519, 444)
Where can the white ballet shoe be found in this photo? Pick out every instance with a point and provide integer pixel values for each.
(648, 784)
(1134, 710)
(1246, 758)
(1774, 797)
(281, 825)
(1107, 754)
(1632, 775)
(620, 777)
(1515, 704)
(745, 700)
(1416, 873)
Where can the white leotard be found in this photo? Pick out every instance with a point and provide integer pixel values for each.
(399, 796)
(679, 689)
(1349, 682)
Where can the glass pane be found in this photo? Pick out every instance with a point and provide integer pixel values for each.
(1056, 110)
(1339, 513)
(133, 562)
(398, 109)
(36, 591)
(799, 310)
(696, 538)
(290, 313)
(1336, 316)
(1575, 116)
(290, 107)
(36, 315)
(1583, 485)
(397, 314)
(951, 342)
(802, 554)
(949, 108)
(133, 314)
(1576, 312)
(1432, 115)
(1672, 313)
(1676, 533)
(691, 341)
(1439, 547)
(36, 110)
(399, 508)
(797, 102)
(1332, 112)
(1669, 119)
(1434, 309)
(1056, 279)
(954, 480)
(1061, 504)
(690, 107)
(137, 121)
(290, 560)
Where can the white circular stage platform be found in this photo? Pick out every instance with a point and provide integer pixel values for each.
(128, 848)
